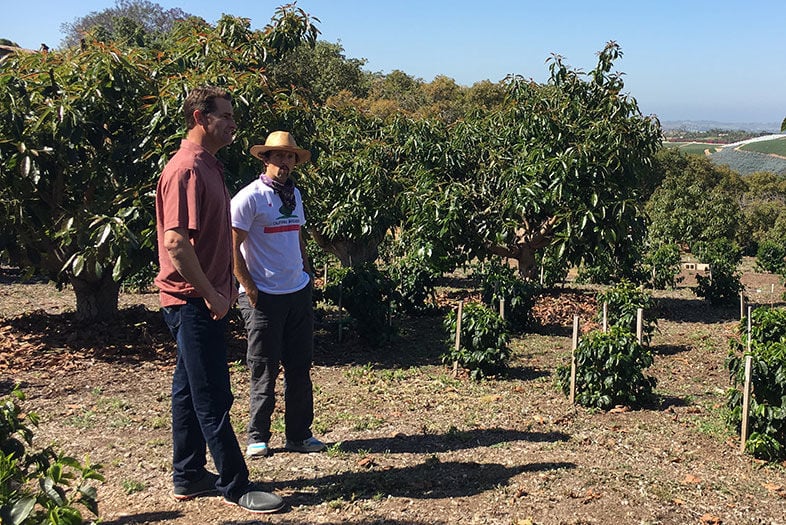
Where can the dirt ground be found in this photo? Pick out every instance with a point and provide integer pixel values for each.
(409, 443)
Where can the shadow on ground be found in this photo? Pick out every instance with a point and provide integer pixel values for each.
(431, 479)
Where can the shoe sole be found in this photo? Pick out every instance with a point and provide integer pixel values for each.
(266, 511)
(186, 497)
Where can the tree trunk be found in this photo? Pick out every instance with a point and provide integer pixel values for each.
(96, 299)
(527, 265)
(349, 253)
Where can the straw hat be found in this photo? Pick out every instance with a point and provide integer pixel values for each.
(281, 141)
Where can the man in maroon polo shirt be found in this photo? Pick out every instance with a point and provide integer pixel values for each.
(196, 290)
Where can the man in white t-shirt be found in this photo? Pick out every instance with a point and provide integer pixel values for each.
(272, 267)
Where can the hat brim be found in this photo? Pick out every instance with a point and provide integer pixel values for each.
(303, 155)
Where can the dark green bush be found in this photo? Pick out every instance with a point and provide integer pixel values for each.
(771, 257)
(663, 264)
(723, 284)
(484, 341)
(622, 303)
(767, 411)
(609, 370)
(498, 282)
(415, 282)
(366, 293)
(39, 487)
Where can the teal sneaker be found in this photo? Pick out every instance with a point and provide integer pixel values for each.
(257, 450)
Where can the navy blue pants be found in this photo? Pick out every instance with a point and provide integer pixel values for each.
(201, 400)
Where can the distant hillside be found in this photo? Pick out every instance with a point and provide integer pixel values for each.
(706, 125)
(750, 156)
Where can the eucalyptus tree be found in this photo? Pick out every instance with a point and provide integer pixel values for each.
(560, 166)
(85, 131)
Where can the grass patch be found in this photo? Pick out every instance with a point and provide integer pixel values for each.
(770, 147)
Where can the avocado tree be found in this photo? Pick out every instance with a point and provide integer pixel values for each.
(84, 133)
(349, 189)
(560, 166)
(697, 201)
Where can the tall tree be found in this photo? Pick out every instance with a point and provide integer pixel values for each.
(560, 166)
(85, 132)
(350, 188)
(697, 201)
(129, 20)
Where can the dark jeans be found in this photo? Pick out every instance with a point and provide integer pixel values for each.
(280, 331)
(201, 399)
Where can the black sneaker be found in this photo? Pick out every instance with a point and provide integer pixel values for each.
(258, 502)
(204, 487)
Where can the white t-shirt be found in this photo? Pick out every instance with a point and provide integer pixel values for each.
(272, 248)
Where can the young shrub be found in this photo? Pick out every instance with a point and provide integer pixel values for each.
(771, 257)
(623, 301)
(609, 370)
(415, 282)
(366, 293)
(498, 282)
(483, 347)
(39, 486)
(663, 264)
(723, 285)
(767, 413)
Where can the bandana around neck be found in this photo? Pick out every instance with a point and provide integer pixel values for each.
(286, 191)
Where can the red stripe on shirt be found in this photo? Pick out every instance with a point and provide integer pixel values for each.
(285, 228)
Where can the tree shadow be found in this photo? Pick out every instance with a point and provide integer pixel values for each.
(694, 311)
(145, 517)
(432, 479)
(451, 441)
(669, 349)
(663, 402)
(135, 335)
(525, 373)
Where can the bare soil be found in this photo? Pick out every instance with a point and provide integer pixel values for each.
(409, 443)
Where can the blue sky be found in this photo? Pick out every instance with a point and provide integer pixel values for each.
(699, 60)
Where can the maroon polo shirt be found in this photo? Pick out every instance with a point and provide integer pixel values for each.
(192, 194)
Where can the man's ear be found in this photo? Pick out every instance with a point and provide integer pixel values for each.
(200, 118)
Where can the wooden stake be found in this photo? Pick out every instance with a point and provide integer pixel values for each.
(502, 308)
(742, 305)
(605, 317)
(324, 277)
(340, 312)
(746, 402)
(639, 324)
(458, 336)
(573, 359)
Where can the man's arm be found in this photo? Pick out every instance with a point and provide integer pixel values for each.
(304, 255)
(184, 259)
(242, 274)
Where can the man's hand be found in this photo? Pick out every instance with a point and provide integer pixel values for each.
(218, 306)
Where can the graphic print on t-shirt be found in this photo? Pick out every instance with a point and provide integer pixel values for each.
(287, 222)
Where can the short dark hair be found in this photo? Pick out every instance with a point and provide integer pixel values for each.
(203, 99)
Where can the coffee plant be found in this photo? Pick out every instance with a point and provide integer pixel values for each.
(767, 412)
(771, 257)
(609, 370)
(500, 282)
(39, 487)
(723, 284)
(483, 348)
(622, 303)
(366, 293)
(663, 264)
